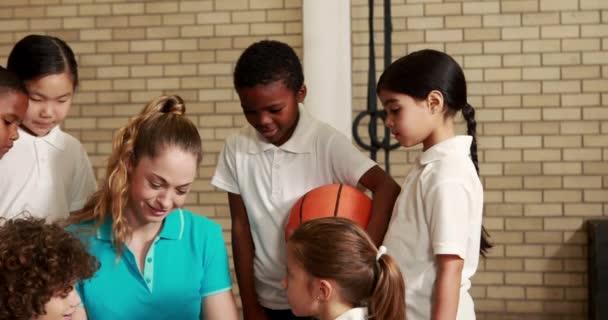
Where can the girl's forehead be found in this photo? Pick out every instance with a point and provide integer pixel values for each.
(51, 85)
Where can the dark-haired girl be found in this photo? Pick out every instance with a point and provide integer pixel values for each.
(47, 174)
(436, 232)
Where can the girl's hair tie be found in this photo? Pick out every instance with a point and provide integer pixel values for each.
(381, 251)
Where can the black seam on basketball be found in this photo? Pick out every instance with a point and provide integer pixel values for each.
(302, 206)
(337, 201)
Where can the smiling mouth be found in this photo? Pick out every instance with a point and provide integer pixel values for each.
(269, 133)
(156, 211)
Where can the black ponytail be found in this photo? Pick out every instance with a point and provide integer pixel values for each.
(468, 113)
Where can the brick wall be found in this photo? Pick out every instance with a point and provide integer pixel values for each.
(537, 72)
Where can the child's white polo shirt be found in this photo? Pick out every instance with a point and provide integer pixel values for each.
(46, 177)
(271, 179)
(439, 211)
(354, 314)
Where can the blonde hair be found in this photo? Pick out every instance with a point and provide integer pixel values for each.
(338, 249)
(160, 124)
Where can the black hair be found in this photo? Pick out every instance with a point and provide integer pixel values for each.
(419, 73)
(36, 56)
(267, 61)
(10, 82)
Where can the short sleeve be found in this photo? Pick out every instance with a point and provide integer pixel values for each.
(225, 176)
(347, 162)
(216, 270)
(83, 182)
(448, 207)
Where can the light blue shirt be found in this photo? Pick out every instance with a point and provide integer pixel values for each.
(186, 262)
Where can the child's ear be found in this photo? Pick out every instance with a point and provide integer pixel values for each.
(301, 94)
(326, 289)
(434, 101)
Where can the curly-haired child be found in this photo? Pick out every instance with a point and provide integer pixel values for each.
(39, 267)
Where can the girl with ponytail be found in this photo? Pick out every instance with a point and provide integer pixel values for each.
(334, 271)
(436, 232)
(158, 261)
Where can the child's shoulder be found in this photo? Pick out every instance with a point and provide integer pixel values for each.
(453, 169)
(69, 142)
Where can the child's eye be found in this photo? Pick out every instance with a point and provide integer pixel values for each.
(181, 192)
(276, 110)
(36, 99)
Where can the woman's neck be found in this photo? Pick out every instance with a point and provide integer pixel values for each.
(142, 231)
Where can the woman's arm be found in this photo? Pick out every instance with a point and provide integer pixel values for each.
(219, 306)
(447, 287)
(386, 191)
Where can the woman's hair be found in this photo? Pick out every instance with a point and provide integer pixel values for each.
(161, 124)
(338, 249)
(10, 82)
(268, 61)
(37, 262)
(36, 56)
(419, 73)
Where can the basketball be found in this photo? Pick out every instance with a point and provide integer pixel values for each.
(332, 200)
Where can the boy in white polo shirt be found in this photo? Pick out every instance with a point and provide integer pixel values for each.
(47, 174)
(267, 166)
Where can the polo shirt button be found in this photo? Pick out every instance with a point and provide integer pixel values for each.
(149, 260)
(148, 280)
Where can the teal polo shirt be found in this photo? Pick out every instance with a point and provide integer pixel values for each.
(186, 263)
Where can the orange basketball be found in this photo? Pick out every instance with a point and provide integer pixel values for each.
(332, 200)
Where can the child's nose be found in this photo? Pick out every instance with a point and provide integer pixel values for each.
(284, 282)
(388, 122)
(46, 110)
(265, 119)
(14, 133)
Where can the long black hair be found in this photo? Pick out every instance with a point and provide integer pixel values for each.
(419, 73)
(36, 56)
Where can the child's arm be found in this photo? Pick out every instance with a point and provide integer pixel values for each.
(385, 191)
(447, 287)
(243, 252)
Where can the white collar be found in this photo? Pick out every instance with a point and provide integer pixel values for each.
(453, 145)
(300, 141)
(354, 314)
(55, 138)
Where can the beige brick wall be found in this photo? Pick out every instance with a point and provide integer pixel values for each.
(537, 72)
